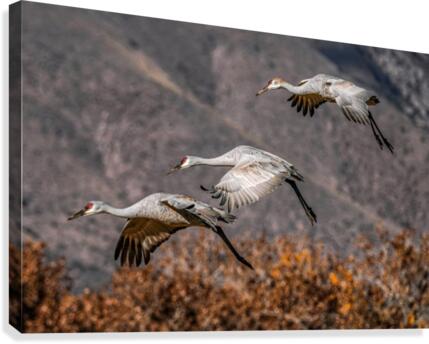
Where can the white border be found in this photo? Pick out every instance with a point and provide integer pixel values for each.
(391, 24)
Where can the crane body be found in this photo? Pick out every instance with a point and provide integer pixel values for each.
(353, 100)
(152, 220)
(255, 173)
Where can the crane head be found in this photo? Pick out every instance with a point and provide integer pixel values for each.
(184, 163)
(91, 208)
(272, 84)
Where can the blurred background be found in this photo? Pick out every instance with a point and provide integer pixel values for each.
(112, 101)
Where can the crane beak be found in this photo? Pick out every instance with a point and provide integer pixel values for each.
(174, 169)
(263, 90)
(76, 215)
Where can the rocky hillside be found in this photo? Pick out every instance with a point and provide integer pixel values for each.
(112, 101)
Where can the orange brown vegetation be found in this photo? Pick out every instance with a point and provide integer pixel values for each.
(295, 285)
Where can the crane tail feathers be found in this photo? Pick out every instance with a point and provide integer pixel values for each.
(373, 100)
(295, 173)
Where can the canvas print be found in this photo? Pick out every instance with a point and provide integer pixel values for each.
(170, 176)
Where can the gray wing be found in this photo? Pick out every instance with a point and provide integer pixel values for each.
(351, 99)
(247, 183)
(356, 111)
(196, 212)
(353, 102)
(139, 238)
(199, 213)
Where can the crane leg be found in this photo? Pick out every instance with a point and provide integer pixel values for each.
(219, 231)
(308, 211)
(378, 134)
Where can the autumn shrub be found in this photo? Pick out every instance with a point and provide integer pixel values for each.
(197, 285)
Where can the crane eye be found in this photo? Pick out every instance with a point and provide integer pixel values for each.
(89, 206)
(183, 160)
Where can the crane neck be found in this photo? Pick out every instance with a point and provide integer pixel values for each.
(119, 212)
(291, 88)
(218, 161)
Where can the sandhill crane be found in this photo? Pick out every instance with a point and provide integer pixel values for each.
(152, 220)
(255, 173)
(353, 100)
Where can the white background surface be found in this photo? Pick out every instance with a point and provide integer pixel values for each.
(393, 24)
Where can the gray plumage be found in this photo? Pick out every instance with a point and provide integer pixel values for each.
(353, 100)
(152, 220)
(255, 173)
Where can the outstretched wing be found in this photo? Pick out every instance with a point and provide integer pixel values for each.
(139, 238)
(245, 184)
(307, 102)
(203, 214)
(309, 97)
(352, 101)
(356, 111)
(196, 212)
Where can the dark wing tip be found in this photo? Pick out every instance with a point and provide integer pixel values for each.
(124, 254)
(211, 189)
(132, 253)
(119, 247)
(295, 100)
(139, 254)
(146, 255)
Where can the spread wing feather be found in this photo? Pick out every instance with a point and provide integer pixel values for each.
(307, 102)
(354, 109)
(139, 238)
(198, 212)
(247, 183)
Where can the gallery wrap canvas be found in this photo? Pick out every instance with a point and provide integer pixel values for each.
(171, 176)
